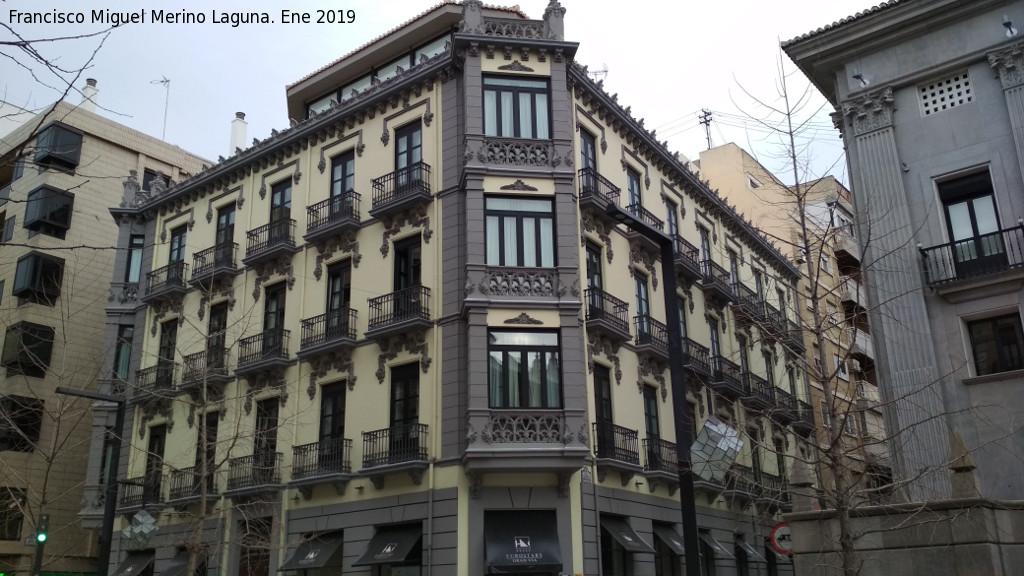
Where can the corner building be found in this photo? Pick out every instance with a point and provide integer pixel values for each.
(404, 337)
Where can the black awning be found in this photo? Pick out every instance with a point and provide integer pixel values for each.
(178, 566)
(716, 546)
(319, 552)
(522, 541)
(670, 537)
(625, 535)
(135, 564)
(752, 554)
(391, 545)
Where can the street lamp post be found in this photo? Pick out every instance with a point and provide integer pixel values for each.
(681, 416)
(110, 498)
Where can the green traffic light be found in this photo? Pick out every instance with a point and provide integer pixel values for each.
(41, 537)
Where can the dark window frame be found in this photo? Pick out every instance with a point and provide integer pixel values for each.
(1006, 341)
(58, 146)
(48, 211)
(30, 358)
(133, 264)
(539, 92)
(545, 255)
(12, 513)
(500, 394)
(21, 423)
(38, 278)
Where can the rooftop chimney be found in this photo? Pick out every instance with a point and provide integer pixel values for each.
(89, 94)
(238, 130)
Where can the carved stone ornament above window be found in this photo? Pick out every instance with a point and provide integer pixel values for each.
(523, 319)
(516, 66)
(519, 185)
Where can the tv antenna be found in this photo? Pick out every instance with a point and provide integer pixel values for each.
(167, 98)
(705, 119)
(602, 73)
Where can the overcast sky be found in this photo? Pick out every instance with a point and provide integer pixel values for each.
(667, 60)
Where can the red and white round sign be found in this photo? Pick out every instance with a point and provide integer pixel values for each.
(782, 539)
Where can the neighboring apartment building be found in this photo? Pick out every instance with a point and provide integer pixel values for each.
(404, 336)
(928, 98)
(11, 117)
(829, 259)
(58, 173)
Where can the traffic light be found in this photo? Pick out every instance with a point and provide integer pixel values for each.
(42, 528)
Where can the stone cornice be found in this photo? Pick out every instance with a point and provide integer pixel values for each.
(281, 145)
(870, 112)
(1008, 63)
(646, 144)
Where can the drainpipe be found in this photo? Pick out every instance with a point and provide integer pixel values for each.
(430, 518)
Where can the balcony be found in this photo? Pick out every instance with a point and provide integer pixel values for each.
(597, 193)
(759, 394)
(726, 377)
(974, 257)
(741, 483)
(859, 342)
(651, 337)
(647, 217)
(749, 304)
(156, 380)
(774, 491)
(793, 336)
(716, 282)
(401, 189)
(186, 486)
(215, 263)
(661, 463)
(332, 217)
(395, 449)
(330, 332)
(852, 292)
(686, 256)
(167, 282)
(606, 314)
(256, 474)
(696, 358)
(846, 248)
(867, 395)
(804, 423)
(785, 407)
(270, 241)
(265, 351)
(323, 462)
(399, 312)
(531, 440)
(212, 366)
(616, 449)
(141, 492)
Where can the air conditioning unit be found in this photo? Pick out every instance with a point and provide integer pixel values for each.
(854, 365)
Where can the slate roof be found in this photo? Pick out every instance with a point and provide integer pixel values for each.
(863, 13)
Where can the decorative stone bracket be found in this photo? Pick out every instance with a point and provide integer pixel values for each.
(325, 251)
(338, 361)
(415, 217)
(271, 378)
(414, 342)
(598, 344)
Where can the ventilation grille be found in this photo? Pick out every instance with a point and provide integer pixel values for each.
(946, 93)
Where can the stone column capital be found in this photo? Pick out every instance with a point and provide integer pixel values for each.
(1008, 64)
(870, 111)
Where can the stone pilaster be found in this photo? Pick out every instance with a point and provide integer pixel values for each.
(1008, 64)
(899, 317)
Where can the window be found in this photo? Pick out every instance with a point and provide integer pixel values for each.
(734, 270)
(332, 412)
(850, 423)
(21, 422)
(206, 446)
(643, 309)
(997, 344)
(826, 418)
(973, 224)
(408, 150)
(49, 211)
(123, 352)
(12, 513)
(225, 225)
(18, 170)
(588, 156)
(27, 349)
(177, 253)
(133, 268)
(520, 232)
(150, 176)
(671, 211)
(280, 202)
(343, 183)
(216, 340)
(516, 108)
(38, 278)
(633, 188)
(58, 147)
(840, 366)
(339, 296)
(824, 263)
(602, 394)
(651, 424)
(9, 224)
(524, 370)
(769, 370)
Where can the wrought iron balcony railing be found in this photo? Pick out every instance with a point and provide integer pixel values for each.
(330, 327)
(267, 238)
(614, 442)
(397, 307)
(332, 212)
(260, 469)
(395, 445)
(686, 255)
(726, 376)
(142, 490)
(651, 333)
(646, 216)
(786, 407)
(696, 357)
(168, 278)
(268, 345)
(187, 483)
(211, 364)
(759, 393)
(804, 423)
(660, 455)
(604, 307)
(594, 187)
(156, 378)
(973, 257)
(219, 258)
(716, 281)
(326, 457)
(402, 183)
